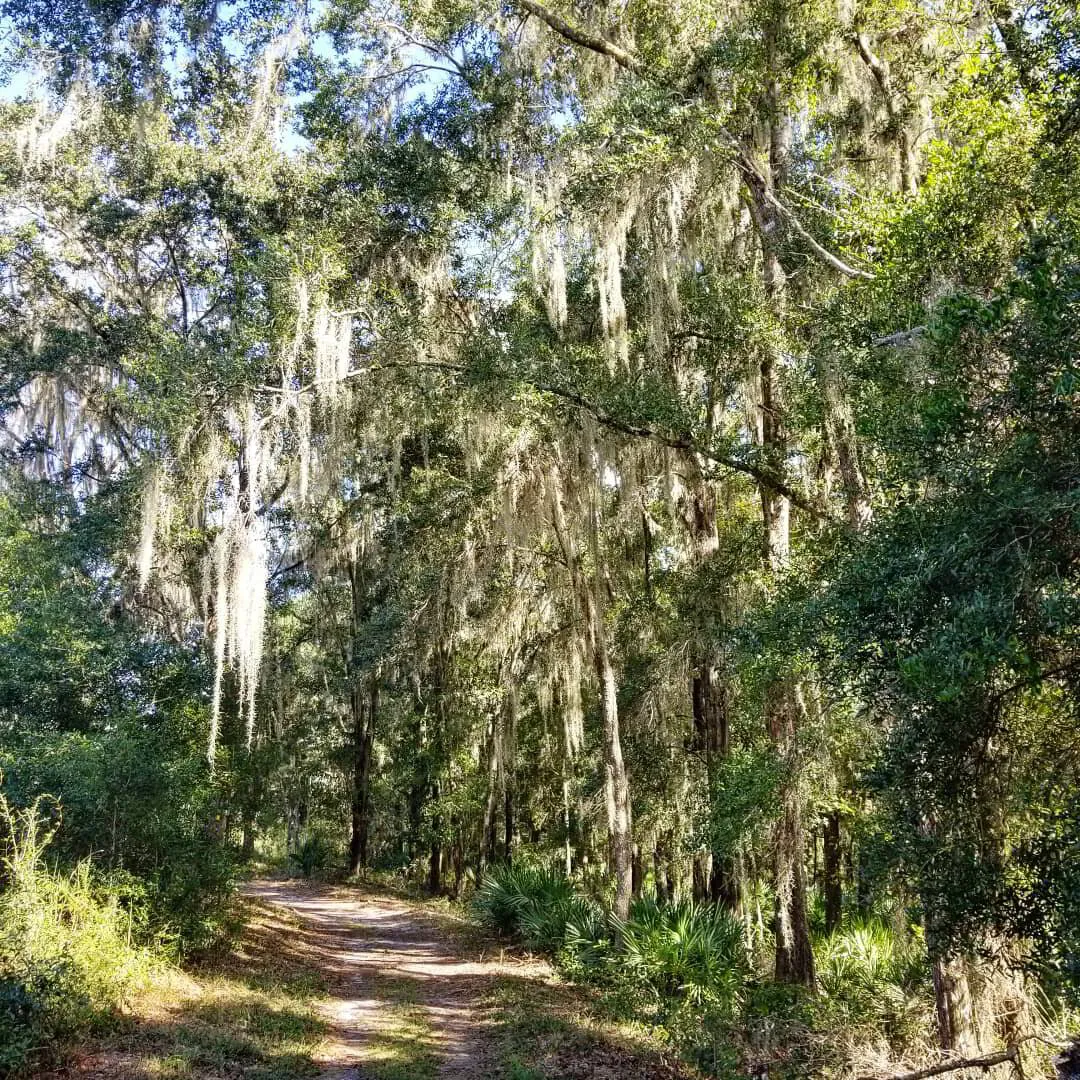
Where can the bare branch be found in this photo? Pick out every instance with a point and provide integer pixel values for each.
(1011, 1053)
(764, 477)
(879, 69)
(822, 253)
(429, 47)
(960, 1063)
(761, 192)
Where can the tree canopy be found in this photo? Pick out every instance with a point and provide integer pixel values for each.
(638, 440)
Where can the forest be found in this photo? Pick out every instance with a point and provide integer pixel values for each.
(602, 476)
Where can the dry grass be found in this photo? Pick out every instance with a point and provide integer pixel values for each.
(251, 1011)
(555, 1029)
(281, 1004)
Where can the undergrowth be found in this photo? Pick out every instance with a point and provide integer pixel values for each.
(686, 970)
(67, 957)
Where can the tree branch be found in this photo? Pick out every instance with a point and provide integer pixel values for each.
(961, 1063)
(1012, 1053)
(679, 442)
(593, 42)
(880, 72)
(762, 194)
(900, 338)
(822, 253)
(431, 49)
(642, 431)
(749, 171)
(179, 278)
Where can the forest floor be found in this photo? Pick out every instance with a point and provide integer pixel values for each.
(348, 983)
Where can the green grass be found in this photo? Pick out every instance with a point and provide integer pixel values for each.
(404, 1047)
(252, 1009)
(222, 1024)
(554, 1029)
(67, 962)
(515, 1070)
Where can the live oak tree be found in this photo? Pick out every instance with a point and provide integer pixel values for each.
(634, 438)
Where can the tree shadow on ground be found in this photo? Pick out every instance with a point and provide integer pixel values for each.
(382, 994)
(227, 1037)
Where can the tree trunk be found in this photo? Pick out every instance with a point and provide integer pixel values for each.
(660, 875)
(457, 859)
(616, 785)
(364, 702)
(710, 701)
(794, 956)
(834, 895)
(364, 707)
(840, 431)
(955, 1015)
(896, 110)
(700, 884)
(711, 706)
(637, 872)
(435, 715)
(616, 782)
(794, 953)
(508, 821)
(292, 832)
(488, 852)
(247, 848)
(568, 854)
(436, 855)
(509, 771)
(663, 866)
(435, 870)
(709, 693)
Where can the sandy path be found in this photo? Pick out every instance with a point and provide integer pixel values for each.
(381, 956)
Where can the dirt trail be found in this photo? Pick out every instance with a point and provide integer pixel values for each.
(400, 983)
(347, 985)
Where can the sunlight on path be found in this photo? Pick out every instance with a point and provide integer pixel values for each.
(404, 1002)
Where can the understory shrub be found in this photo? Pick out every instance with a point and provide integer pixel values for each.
(684, 950)
(67, 958)
(686, 967)
(673, 951)
(507, 891)
(875, 975)
(528, 902)
(139, 798)
(316, 855)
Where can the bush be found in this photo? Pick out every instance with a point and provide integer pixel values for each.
(678, 951)
(541, 908)
(588, 943)
(314, 856)
(546, 927)
(20, 1007)
(189, 899)
(67, 961)
(139, 793)
(876, 976)
(509, 897)
(685, 950)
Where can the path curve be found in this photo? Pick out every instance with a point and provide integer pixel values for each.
(380, 956)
